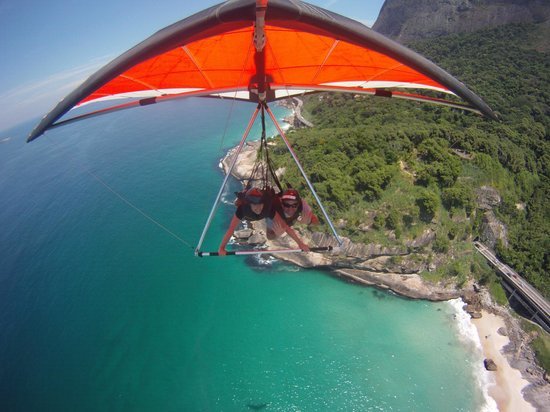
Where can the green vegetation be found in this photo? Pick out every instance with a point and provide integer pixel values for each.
(540, 344)
(391, 170)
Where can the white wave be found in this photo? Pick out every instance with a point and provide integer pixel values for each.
(285, 126)
(228, 198)
(467, 333)
(264, 260)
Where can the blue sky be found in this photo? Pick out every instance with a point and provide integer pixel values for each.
(49, 48)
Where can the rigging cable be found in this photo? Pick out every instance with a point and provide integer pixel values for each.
(160, 225)
(140, 211)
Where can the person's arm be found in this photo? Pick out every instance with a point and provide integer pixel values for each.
(311, 218)
(278, 219)
(314, 219)
(232, 226)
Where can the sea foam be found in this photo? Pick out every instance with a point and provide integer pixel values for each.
(468, 335)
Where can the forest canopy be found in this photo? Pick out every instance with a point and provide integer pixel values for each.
(416, 165)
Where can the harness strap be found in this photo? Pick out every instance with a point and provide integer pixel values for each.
(267, 159)
(263, 168)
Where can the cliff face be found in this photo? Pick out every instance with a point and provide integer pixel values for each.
(404, 21)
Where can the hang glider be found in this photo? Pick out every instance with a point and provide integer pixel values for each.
(263, 50)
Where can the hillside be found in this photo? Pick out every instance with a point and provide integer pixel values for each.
(394, 171)
(429, 18)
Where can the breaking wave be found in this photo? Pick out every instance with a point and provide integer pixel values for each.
(468, 335)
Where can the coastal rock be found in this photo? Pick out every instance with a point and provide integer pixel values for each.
(360, 251)
(243, 233)
(304, 260)
(472, 300)
(490, 365)
(411, 286)
(243, 167)
(502, 332)
(473, 309)
(392, 264)
(531, 371)
(257, 239)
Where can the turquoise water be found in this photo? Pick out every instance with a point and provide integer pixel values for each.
(100, 309)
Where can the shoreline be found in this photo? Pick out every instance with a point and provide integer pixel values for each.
(514, 387)
(507, 386)
(518, 384)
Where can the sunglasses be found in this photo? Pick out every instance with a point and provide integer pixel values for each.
(290, 205)
(254, 200)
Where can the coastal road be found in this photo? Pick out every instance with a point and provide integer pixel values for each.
(298, 112)
(526, 294)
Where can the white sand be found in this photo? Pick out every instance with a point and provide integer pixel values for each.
(507, 390)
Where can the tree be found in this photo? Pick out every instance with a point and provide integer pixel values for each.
(460, 195)
(428, 203)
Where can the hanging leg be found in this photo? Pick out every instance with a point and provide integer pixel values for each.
(220, 192)
(283, 136)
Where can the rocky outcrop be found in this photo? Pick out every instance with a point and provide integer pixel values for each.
(242, 168)
(490, 365)
(243, 233)
(385, 268)
(405, 22)
(411, 286)
(487, 198)
(492, 230)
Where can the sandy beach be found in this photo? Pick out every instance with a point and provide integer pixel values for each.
(508, 386)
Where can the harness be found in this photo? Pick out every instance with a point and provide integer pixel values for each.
(263, 174)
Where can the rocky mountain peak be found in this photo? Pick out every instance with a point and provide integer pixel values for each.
(405, 20)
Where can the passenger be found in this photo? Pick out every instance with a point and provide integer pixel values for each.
(293, 209)
(257, 205)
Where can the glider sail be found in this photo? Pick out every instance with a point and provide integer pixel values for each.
(263, 50)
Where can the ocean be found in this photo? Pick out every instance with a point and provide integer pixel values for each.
(103, 305)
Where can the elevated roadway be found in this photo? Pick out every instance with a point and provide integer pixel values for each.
(530, 298)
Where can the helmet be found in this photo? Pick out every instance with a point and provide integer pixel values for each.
(290, 194)
(254, 196)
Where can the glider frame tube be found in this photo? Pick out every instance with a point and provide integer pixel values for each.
(289, 147)
(228, 174)
(226, 178)
(263, 252)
